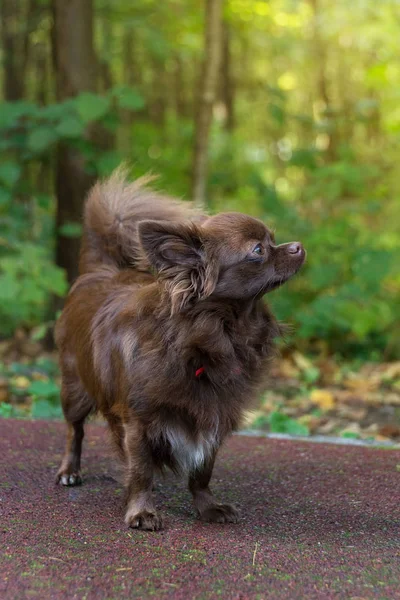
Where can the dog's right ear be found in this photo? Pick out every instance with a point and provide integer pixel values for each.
(171, 244)
(176, 251)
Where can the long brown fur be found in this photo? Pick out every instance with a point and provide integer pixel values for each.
(166, 334)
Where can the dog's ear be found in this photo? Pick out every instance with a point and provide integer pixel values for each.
(176, 251)
(171, 244)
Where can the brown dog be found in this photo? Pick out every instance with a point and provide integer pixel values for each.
(166, 333)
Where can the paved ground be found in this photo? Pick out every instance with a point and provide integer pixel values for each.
(319, 521)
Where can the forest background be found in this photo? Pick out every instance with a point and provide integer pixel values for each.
(285, 109)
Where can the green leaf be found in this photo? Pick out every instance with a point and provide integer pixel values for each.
(11, 112)
(5, 197)
(91, 107)
(6, 410)
(107, 163)
(44, 389)
(39, 332)
(47, 365)
(281, 423)
(18, 369)
(260, 422)
(293, 427)
(70, 230)
(350, 435)
(277, 113)
(41, 138)
(70, 127)
(9, 173)
(44, 409)
(311, 375)
(53, 279)
(9, 286)
(128, 98)
(44, 201)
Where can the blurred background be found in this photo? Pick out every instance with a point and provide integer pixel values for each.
(285, 109)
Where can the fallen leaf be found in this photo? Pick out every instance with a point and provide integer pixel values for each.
(323, 398)
(353, 413)
(391, 371)
(329, 427)
(396, 385)
(288, 369)
(389, 431)
(302, 361)
(351, 429)
(371, 429)
(311, 421)
(359, 384)
(21, 382)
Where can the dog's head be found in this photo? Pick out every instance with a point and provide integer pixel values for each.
(229, 256)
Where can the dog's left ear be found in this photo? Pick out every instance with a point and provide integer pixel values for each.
(176, 251)
(168, 244)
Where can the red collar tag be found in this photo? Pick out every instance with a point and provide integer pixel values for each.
(199, 372)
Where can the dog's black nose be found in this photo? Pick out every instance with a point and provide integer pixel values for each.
(295, 248)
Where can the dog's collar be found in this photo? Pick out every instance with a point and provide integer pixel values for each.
(201, 370)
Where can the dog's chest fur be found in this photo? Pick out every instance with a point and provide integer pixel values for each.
(187, 454)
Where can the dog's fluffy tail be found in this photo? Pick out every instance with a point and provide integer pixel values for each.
(112, 211)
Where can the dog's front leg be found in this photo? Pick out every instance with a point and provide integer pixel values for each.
(141, 512)
(207, 506)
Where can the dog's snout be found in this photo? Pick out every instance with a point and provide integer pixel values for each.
(295, 248)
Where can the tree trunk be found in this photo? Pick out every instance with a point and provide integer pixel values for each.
(13, 80)
(41, 68)
(181, 104)
(107, 35)
(158, 99)
(320, 50)
(19, 18)
(75, 66)
(206, 97)
(130, 71)
(227, 86)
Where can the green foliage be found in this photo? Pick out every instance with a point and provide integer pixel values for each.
(313, 151)
(348, 293)
(27, 278)
(45, 400)
(6, 410)
(90, 107)
(43, 408)
(70, 230)
(37, 388)
(29, 135)
(128, 98)
(281, 423)
(350, 435)
(44, 389)
(278, 422)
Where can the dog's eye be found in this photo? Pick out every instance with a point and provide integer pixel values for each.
(259, 250)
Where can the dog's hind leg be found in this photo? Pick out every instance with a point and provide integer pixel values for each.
(76, 406)
(207, 506)
(117, 436)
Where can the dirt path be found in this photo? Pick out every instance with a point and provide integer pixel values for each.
(319, 521)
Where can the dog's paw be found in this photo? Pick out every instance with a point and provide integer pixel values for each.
(145, 520)
(220, 513)
(68, 479)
